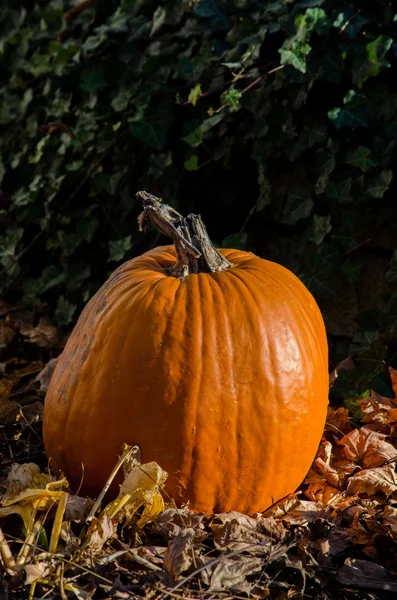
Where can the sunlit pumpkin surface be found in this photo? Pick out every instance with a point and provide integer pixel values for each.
(221, 378)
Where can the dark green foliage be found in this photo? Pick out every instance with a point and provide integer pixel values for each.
(277, 121)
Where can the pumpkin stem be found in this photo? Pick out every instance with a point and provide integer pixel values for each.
(194, 251)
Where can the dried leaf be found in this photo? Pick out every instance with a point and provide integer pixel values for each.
(338, 420)
(44, 335)
(77, 508)
(274, 529)
(235, 531)
(37, 571)
(367, 574)
(9, 411)
(22, 478)
(305, 513)
(389, 517)
(5, 389)
(141, 487)
(99, 532)
(367, 447)
(173, 520)
(231, 571)
(45, 375)
(371, 481)
(179, 555)
(319, 490)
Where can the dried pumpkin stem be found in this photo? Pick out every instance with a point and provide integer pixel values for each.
(195, 252)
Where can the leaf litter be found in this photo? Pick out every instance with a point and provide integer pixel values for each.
(336, 537)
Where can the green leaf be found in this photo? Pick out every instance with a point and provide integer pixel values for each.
(75, 165)
(339, 190)
(375, 61)
(360, 158)
(391, 274)
(354, 114)
(194, 94)
(64, 312)
(93, 79)
(154, 129)
(231, 98)
(191, 164)
(264, 189)
(159, 163)
(2, 170)
(159, 17)
(120, 102)
(299, 205)
(9, 242)
(296, 55)
(321, 226)
(237, 241)
(380, 184)
(314, 19)
(352, 270)
(119, 248)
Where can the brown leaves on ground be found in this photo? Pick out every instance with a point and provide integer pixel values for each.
(336, 537)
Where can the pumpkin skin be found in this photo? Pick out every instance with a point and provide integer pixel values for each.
(222, 378)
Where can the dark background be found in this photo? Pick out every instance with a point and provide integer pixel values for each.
(276, 122)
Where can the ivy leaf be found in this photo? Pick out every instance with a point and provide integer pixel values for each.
(119, 248)
(93, 79)
(64, 311)
(380, 184)
(159, 163)
(360, 158)
(352, 270)
(391, 274)
(264, 189)
(191, 164)
(231, 98)
(296, 55)
(321, 226)
(194, 94)
(354, 114)
(314, 19)
(339, 190)
(375, 60)
(2, 170)
(235, 240)
(120, 102)
(152, 130)
(299, 205)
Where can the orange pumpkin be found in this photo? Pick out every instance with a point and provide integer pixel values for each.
(213, 362)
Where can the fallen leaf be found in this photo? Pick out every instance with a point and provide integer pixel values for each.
(232, 571)
(364, 573)
(9, 411)
(141, 487)
(37, 571)
(45, 375)
(367, 447)
(305, 513)
(389, 517)
(99, 532)
(235, 531)
(273, 528)
(371, 481)
(338, 420)
(318, 490)
(5, 389)
(173, 520)
(77, 508)
(45, 335)
(179, 555)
